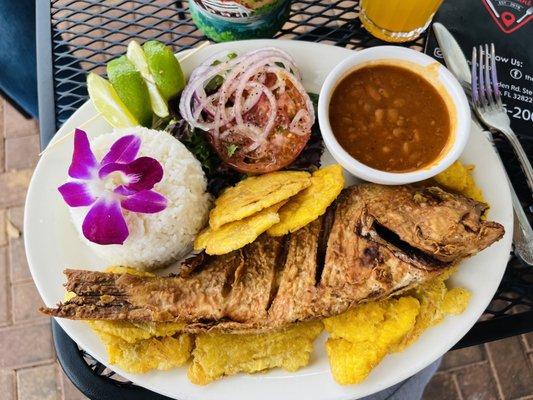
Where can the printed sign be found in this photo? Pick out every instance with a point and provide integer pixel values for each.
(510, 15)
(472, 26)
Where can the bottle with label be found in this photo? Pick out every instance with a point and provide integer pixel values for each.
(226, 20)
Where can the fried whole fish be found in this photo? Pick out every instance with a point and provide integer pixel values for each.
(373, 242)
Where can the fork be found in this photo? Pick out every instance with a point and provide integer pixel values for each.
(488, 107)
(488, 104)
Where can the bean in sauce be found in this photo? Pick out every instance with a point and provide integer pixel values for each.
(389, 118)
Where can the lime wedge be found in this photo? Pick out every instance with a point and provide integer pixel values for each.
(131, 88)
(108, 103)
(136, 55)
(165, 68)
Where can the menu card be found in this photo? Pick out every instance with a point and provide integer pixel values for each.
(508, 24)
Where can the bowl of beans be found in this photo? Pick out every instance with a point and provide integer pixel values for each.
(392, 115)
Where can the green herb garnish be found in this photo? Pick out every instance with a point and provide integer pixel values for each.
(231, 149)
(195, 140)
(214, 84)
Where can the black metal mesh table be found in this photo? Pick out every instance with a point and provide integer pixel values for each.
(74, 37)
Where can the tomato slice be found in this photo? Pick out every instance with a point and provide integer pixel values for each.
(280, 148)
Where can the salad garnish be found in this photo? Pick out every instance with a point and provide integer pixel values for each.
(253, 104)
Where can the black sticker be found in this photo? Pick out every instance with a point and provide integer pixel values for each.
(477, 22)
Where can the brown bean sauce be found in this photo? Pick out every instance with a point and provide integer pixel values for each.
(389, 118)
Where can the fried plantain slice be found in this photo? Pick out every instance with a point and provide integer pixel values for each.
(256, 193)
(237, 234)
(458, 177)
(133, 332)
(310, 203)
(361, 337)
(456, 301)
(147, 354)
(220, 354)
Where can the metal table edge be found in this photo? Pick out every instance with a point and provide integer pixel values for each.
(84, 378)
(496, 329)
(45, 78)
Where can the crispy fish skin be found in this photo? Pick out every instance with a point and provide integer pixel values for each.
(355, 252)
(444, 225)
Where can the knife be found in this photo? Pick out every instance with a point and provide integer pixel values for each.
(457, 64)
(453, 56)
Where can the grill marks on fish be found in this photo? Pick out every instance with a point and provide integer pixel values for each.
(325, 230)
(249, 295)
(405, 251)
(279, 265)
(297, 281)
(353, 253)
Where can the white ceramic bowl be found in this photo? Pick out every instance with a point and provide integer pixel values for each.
(436, 74)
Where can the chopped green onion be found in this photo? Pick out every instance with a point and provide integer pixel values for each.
(231, 149)
(213, 85)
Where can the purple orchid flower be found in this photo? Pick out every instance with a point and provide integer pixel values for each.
(119, 181)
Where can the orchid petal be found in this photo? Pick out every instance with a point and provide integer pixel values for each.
(142, 173)
(124, 150)
(76, 194)
(124, 191)
(104, 223)
(83, 160)
(146, 201)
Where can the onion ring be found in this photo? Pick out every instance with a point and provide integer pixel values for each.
(244, 83)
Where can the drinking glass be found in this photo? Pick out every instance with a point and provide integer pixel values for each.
(223, 20)
(397, 20)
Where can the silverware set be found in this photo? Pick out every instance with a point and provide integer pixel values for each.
(488, 104)
(481, 84)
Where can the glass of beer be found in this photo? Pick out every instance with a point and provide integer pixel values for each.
(397, 20)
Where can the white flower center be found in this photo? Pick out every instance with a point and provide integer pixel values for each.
(115, 179)
(105, 187)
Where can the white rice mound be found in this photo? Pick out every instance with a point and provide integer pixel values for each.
(156, 240)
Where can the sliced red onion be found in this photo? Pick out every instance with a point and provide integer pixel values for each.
(297, 84)
(208, 72)
(251, 101)
(245, 129)
(294, 125)
(271, 118)
(244, 79)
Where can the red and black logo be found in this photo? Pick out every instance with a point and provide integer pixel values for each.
(510, 15)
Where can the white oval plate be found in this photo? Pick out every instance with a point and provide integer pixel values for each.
(52, 245)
